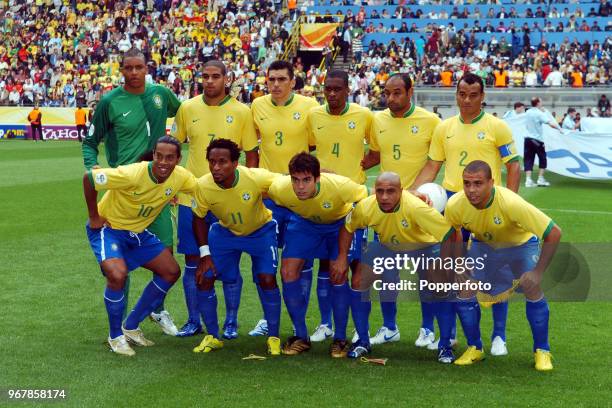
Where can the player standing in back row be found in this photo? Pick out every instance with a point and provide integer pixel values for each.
(400, 141)
(339, 130)
(281, 121)
(473, 135)
(202, 119)
(129, 120)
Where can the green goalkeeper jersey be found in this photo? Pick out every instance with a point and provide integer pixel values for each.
(129, 124)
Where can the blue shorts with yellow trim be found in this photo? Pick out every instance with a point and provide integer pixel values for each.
(503, 265)
(136, 249)
(226, 249)
(187, 243)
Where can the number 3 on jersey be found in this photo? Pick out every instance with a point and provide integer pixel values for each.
(279, 138)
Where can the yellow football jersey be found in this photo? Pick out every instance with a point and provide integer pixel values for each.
(507, 221)
(339, 139)
(403, 142)
(333, 200)
(283, 130)
(239, 208)
(135, 198)
(413, 221)
(201, 123)
(457, 144)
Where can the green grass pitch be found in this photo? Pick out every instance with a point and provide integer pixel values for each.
(54, 325)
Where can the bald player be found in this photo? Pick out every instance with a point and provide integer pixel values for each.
(281, 121)
(398, 217)
(473, 135)
(213, 115)
(400, 140)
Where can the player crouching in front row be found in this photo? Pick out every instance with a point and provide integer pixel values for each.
(118, 234)
(319, 202)
(403, 222)
(506, 231)
(233, 194)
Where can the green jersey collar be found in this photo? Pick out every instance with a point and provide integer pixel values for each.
(286, 103)
(409, 112)
(223, 101)
(318, 190)
(476, 119)
(490, 202)
(394, 210)
(236, 178)
(346, 108)
(150, 170)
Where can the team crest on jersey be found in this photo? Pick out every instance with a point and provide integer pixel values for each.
(114, 247)
(168, 192)
(404, 223)
(488, 236)
(352, 124)
(101, 179)
(414, 129)
(92, 130)
(497, 220)
(157, 100)
(326, 204)
(246, 196)
(193, 203)
(481, 135)
(229, 119)
(297, 116)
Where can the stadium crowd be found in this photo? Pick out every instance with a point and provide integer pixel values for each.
(66, 53)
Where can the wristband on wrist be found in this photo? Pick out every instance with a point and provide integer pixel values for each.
(204, 251)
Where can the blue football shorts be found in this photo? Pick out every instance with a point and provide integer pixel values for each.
(136, 249)
(503, 265)
(226, 249)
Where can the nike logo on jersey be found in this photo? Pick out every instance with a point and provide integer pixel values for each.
(448, 137)
(382, 131)
(390, 337)
(137, 194)
(195, 120)
(126, 113)
(264, 118)
(320, 127)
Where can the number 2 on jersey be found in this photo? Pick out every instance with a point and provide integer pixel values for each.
(463, 155)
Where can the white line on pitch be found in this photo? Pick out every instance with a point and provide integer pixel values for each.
(578, 211)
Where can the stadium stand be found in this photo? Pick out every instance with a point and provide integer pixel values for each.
(66, 53)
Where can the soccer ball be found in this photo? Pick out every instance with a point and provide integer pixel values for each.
(436, 193)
